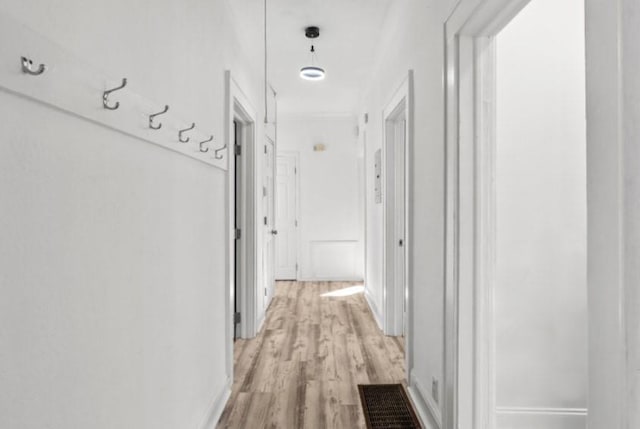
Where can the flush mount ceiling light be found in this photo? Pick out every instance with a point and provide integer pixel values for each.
(312, 72)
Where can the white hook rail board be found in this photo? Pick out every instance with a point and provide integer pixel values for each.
(74, 87)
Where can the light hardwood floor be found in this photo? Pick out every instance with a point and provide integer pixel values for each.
(303, 369)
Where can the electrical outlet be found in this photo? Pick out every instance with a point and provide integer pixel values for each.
(434, 390)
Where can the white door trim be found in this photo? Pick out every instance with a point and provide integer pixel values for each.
(612, 184)
(239, 108)
(468, 394)
(402, 100)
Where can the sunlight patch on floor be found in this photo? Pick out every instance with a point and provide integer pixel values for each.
(344, 292)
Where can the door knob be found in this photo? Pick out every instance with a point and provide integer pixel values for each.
(274, 231)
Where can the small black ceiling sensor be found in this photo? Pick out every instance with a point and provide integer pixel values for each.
(312, 32)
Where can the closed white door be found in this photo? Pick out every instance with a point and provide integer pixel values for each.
(286, 217)
(268, 199)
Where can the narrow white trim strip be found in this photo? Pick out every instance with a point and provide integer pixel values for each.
(541, 410)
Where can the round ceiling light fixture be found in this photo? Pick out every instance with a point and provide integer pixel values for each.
(312, 72)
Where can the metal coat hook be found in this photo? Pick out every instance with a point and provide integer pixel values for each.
(166, 109)
(216, 156)
(193, 125)
(27, 67)
(105, 96)
(204, 143)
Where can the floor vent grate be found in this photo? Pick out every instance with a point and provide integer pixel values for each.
(387, 406)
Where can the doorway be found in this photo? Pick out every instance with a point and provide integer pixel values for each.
(241, 297)
(287, 216)
(515, 315)
(270, 231)
(237, 228)
(396, 210)
(395, 234)
(244, 228)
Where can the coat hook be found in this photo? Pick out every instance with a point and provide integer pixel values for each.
(166, 109)
(216, 156)
(193, 125)
(204, 143)
(27, 67)
(105, 96)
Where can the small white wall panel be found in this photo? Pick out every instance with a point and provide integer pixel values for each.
(333, 259)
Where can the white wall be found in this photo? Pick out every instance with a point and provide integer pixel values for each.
(540, 292)
(330, 242)
(112, 257)
(412, 39)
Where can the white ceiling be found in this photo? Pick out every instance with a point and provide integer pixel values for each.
(346, 49)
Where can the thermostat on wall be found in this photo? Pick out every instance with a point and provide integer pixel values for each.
(319, 147)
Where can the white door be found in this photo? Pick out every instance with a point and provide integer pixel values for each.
(268, 199)
(286, 217)
(400, 203)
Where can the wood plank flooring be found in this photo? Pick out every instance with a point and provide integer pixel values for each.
(303, 369)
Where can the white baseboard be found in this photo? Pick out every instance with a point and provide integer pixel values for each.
(427, 409)
(541, 417)
(374, 308)
(330, 279)
(260, 323)
(217, 407)
(542, 410)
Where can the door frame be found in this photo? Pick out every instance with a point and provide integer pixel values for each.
(402, 99)
(269, 287)
(296, 156)
(239, 109)
(469, 387)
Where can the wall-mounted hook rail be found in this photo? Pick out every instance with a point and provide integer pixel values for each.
(215, 152)
(204, 143)
(180, 139)
(166, 109)
(105, 96)
(27, 67)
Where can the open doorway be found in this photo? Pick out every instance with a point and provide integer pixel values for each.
(242, 296)
(396, 209)
(269, 223)
(397, 247)
(237, 228)
(516, 317)
(244, 242)
(395, 204)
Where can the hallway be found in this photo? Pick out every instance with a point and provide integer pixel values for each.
(314, 177)
(318, 342)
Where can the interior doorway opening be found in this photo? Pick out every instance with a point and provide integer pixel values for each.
(243, 224)
(241, 295)
(515, 318)
(395, 199)
(239, 268)
(395, 184)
